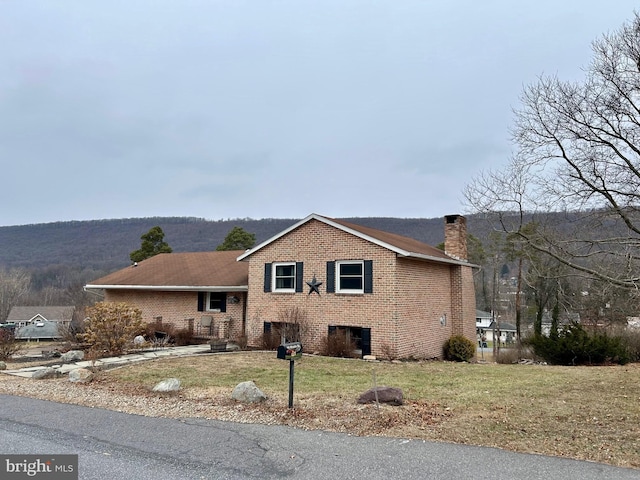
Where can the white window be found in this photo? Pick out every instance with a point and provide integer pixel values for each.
(284, 277)
(350, 276)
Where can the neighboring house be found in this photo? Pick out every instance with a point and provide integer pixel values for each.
(391, 294)
(483, 321)
(506, 332)
(21, 315)
(40, 322)
(202, 291)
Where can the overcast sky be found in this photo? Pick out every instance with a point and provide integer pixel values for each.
(269, 109)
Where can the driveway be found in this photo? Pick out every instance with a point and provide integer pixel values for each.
(114, 445)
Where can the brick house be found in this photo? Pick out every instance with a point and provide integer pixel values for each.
(203, 291)
(391, 294)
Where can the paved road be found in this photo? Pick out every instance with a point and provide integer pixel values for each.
(113, 446)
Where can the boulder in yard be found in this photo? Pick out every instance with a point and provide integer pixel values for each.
(168, 385)
(80, 375)
(3, 366)
(72, 356)
(45, 373)
(388, 395)
(248, 392)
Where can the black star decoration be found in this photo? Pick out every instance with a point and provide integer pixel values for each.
(313, 286)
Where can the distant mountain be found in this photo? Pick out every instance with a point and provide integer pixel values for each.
(104, 245)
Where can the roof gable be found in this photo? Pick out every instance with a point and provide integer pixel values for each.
(33, 313)
(217, 270)
(401, 245)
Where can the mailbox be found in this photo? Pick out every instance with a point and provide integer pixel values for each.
(290, 351)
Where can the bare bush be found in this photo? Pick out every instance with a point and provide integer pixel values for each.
(508, 356)
(338, 345)
(388, 353)
(9, 346)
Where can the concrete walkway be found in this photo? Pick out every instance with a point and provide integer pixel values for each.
(65, 368)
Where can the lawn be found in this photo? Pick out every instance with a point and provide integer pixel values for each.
(590, 413)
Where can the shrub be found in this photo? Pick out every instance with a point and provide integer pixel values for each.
(338, 345)
(241, 341)
(459, 349)
(111, 327)
(573, 345)
(270, 340)
(9, 346)
(184, 336)
(631, 339)
(508, 356)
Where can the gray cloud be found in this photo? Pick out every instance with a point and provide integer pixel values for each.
(268, 109)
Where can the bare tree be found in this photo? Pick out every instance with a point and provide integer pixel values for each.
(578, 155)
(14, 285)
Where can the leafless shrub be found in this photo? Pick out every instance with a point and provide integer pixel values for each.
(9, 346)
(293, 324)
(388, 352)
(508, 356)
(241, 341)
(338, 345)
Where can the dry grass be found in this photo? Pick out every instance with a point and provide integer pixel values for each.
(590, 413)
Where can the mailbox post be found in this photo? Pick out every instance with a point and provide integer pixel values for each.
(290, 351)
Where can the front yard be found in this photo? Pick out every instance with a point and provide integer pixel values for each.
(590, 413)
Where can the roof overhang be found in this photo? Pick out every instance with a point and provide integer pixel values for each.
(428, 258)
(172, 288)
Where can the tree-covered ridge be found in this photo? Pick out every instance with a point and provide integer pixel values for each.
(105, 245)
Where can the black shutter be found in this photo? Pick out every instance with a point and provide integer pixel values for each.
(331, 277)
(267, 277)
(201, 299)
(365, 341)
(368, 276)
(267, 327)
(223, 302)
(299, 277)
(332, 329)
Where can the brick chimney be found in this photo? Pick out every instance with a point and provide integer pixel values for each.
(455, 236)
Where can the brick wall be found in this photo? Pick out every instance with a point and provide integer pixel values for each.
(404, 311)
(177, 307)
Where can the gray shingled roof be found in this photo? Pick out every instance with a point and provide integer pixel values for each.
(52, 313)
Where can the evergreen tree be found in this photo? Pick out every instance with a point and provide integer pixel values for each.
(152, 244)
(237, 239)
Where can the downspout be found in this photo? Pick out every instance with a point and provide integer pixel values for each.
(244, 313)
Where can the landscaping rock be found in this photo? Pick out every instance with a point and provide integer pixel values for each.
(45, 373)
(80, 375)
(72, 356)
(388, 395)
(168, 385)
(248, 392)
(3, 366)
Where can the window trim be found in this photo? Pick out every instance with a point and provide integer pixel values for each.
(338, 277)
(274, 277)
